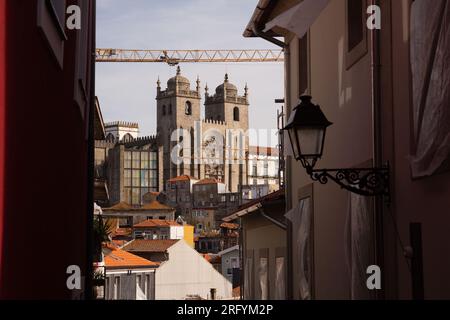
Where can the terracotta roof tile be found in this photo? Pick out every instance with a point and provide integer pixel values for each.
(263, 151)
(116, 258)
(182, 178)
(121, 206)
(208, 181)
(156, 205)
(227, 225)
(121, 232)
(140, 245)
(156, 223)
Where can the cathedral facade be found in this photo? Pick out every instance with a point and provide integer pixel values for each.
(213, 146)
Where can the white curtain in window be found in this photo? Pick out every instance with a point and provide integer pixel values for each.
(360, 244)
(263, 279)
(248, 283)
(280, 279)
(300, 217)
(430, 66)
(140, 294)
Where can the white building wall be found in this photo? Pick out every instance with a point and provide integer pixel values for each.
(176, 232)
(188, 273)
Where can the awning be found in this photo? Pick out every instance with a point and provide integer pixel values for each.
(300, 18)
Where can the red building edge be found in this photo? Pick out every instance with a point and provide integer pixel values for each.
(3, 24)
(47, 104)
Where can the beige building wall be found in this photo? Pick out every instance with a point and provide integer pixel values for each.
(345, 98)
(262, 237)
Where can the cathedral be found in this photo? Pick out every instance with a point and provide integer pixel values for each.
(211, 147)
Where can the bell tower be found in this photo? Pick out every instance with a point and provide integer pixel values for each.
(178, 107)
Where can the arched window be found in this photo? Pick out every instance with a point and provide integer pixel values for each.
(236, 114)
(164, 110)
(188, 108)
(127, 138)
(110, 137)
(170, 108)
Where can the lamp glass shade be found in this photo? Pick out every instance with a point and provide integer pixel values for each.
(306, 127)
(310, 141)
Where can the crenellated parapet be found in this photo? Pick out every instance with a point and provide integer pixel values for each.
(124, 124)
(215, 122)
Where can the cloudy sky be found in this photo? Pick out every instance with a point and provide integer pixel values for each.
(127, 90)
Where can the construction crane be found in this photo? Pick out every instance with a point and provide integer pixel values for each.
(174, 57)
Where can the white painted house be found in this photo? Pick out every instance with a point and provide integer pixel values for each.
(186, 273)
(156, 229)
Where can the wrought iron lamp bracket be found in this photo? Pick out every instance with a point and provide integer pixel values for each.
(362, 181)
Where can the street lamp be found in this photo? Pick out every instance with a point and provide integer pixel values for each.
(306, 128)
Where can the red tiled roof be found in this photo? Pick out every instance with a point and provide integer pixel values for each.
(121, 206)
(228, 225)
(156, 223)
(208, 181)
(212, 258)
(116, 258)
(140, 245)
(182, 178)
(263, 151)
(121, 232)
(118, 243)
(156, 205)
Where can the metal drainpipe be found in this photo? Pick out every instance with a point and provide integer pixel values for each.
(290, 271)
(377, 147)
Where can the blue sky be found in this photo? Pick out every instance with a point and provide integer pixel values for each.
(127, 90)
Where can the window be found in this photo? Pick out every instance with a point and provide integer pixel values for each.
(116, 295)
(266, 168)
(127, 138)
(127, 156)
(360, 244)
(430, 112)
(355, 19)
(280, 279)
(127, 178)
(255, 169)
(110, 137)
(140, 291)
(188, 108)
(107, 284)
(51, 20)
(236, 114)
(263, 274)
(304, 64)
(356, 39)
(147, 287)
(248, 276)
(164, 110)
(170, 108)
